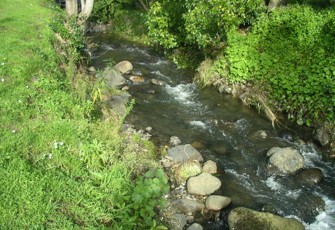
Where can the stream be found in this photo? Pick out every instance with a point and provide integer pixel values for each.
(234, 136)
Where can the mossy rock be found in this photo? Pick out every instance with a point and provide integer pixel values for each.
(247, 219)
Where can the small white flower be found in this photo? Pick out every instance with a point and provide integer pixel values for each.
(61, 143)
(27, 86)
(2, 63)
(55, 145)
(2, 79)
(13, 131)
(50, 156)
(20, 101)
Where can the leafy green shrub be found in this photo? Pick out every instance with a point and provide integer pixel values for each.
(147, 195)
(200, 23)
(103, 10)
(290, 55)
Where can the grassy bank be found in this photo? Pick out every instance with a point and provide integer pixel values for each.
(62, 164)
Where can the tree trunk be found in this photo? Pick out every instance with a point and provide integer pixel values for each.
(86, 8)
(275, 3)
(71, 7)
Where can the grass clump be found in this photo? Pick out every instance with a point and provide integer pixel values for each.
(62, 164)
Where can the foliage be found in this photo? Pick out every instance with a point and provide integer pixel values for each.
(147, 195)
(290, 55)
(201, 23)
(61, 165)
(104, 10)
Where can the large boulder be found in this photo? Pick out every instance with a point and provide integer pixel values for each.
(181, 153)
(113, 78)
(285, 160)
(124, 67)
(186, 206)
(203, 184)
(247, 219)
(216, 203)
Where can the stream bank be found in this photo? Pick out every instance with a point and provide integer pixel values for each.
(224, 131)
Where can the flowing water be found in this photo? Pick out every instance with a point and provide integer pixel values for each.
(235, 137)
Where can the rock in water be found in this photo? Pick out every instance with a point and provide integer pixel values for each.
(137, 79)
(124, 67)
(204, 184)
(247, 219)
(310, 176)
(183, 153)
(285, 160)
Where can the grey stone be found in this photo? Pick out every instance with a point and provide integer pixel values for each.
(178, 221)
(285, 160)
(203, 184)
(119, 103)
(113, 78)
(210, 167)
(124, 67)
(181, 153)
(217, 203)
(322, 136)
(174, 141)
(195, 226)
(247, 219)
(186, 206)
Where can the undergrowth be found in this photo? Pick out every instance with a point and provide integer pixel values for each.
(62, 164)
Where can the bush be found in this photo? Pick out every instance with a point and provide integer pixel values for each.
(198, 23)
(290, 55)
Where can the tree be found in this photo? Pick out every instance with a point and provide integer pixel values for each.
(71, 7)
(275, 3)
(86, 7)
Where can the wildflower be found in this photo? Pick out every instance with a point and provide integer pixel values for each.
(2, 79)
(20, 101)
(50, 156)
(55, 145)
(2, 63)
(13, 131)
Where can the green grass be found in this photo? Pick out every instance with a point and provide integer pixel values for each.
(61, 166)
